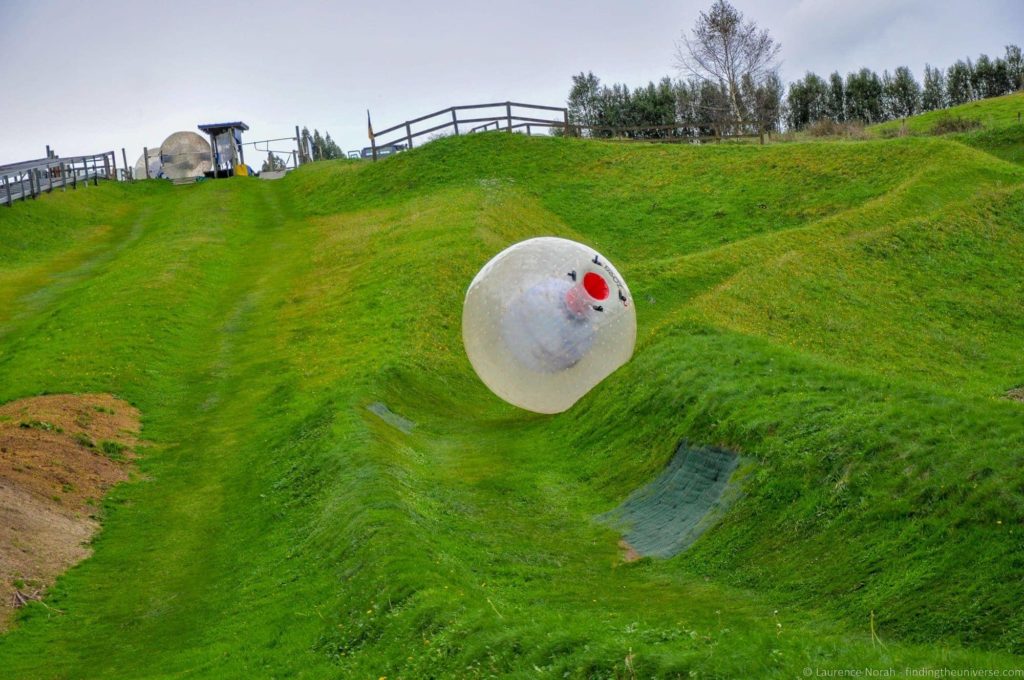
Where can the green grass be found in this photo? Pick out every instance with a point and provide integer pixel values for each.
(1000, 129)
(844, 315)
(993, 113)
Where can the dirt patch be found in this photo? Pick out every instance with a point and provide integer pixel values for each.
(629, 553)
(58, 455)
(1016, 394)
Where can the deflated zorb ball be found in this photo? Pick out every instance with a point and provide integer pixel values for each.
(545, 321)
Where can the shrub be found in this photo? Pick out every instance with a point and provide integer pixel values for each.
(949, 124)
(826, 127)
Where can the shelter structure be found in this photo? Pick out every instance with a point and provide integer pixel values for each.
(226, 143)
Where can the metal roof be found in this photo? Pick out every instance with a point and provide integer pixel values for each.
(217, 128)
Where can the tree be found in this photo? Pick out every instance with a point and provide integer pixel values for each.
(958, 83)
(836, 109)
(723, 49)
(318, 145)
(1000, 81)
(1014, 67)
(306, 152)
(808, 101)
(273, 162)
(982, 78)
(712, 109)
(864, 96)
(584, 101)
(901, 95)
(934, 94)
(330, 149)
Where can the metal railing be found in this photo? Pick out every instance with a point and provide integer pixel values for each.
(292, 158)
(28, 179)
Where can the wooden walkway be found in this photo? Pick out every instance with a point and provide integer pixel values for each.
(28, 179)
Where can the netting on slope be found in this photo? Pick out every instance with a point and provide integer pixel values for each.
(666, 515)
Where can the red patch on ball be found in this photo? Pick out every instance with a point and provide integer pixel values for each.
(595, 286)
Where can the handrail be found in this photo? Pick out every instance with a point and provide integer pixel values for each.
(28, 179)
(510, 120)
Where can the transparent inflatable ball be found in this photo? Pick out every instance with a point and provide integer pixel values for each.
(545, 321)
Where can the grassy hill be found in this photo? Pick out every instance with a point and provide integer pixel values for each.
(847, 316)
(999, 132)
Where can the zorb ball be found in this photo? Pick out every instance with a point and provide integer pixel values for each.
(545, 321)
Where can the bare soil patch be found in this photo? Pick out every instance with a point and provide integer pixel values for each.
(58, 455)
(1016, 394)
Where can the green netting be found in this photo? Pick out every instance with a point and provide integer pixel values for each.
(390, 417)
(665, 516)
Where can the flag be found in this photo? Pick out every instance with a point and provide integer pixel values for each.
(369, 126)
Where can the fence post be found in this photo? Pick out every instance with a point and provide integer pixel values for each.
(106, 166)
(32, 181)
(7, 185)
(63, 178)
(565, 119)
(408, 136)
(145, 160)
(508, 114)
(124, 157)
(74, 176)
(455, 121)
(95, 172)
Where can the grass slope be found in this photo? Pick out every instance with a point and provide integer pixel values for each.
(844, 315)
(993, 113)
(1001, 131)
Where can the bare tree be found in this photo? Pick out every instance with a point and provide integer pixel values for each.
(725, 50)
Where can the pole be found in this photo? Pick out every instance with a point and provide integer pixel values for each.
(565, 118)
(7, 185)
(106, 166)
(63, 178)
(508, 114)
(49, 153)
(408, 136)
(95, 172)
(124, 157)
(455, 121)
(298, 147)
(145, 160)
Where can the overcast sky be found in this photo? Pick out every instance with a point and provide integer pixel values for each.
(88, 76)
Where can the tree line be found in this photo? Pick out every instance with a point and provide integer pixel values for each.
(864, 96)
(319, 148)
(729, 84)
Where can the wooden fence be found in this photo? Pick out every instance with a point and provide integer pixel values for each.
(504, 115)
(509, 117)
(28, 179)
